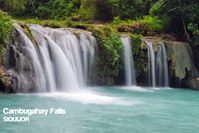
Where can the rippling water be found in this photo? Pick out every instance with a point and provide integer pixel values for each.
(108, 110)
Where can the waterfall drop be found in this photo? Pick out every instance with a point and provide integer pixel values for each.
(53, 59)
(130, 78)
(151, 64)
(162, 67)
(157, 65)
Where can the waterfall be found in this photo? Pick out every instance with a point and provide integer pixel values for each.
(162, 67)
(53, 59)
(151, 64)
(157, 65)
(130, 78)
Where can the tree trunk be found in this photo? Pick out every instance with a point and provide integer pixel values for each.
(183, 23)
(185, 30)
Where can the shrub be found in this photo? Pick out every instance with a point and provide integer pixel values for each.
(109, 41)
(110, 47)
(5, 29)
(136, 43)
(153, 23)
(193, 28)
(145, 25)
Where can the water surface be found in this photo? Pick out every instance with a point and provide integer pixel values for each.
(108, 109)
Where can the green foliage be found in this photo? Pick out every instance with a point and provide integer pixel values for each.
(113, 44)
(110, 46)
(145, 25)
(57, 9)
(180, 12)
(5, 29)
(117, 20)
(153, 23)
(131, 9)
(87, 9)
(194, 29)
(125, 9)
(157, 8)
(47, 23)
(109, 41)
(136, 43)
(136, 16)
(14, 6)
(56, 23)
(43, 9)
(187, 9)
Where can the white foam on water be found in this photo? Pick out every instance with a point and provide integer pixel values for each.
(143, 89)
(136, 88)
(158, 88)
(89, 97)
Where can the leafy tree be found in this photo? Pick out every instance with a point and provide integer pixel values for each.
(14, 6)
(125, 9)
(41, 8)
(182, 12)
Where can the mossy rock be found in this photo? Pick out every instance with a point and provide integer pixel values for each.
(107, 61)
(6, 82)
(135, 28)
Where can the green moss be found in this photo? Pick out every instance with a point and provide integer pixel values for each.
(5, 30)
(109, 41)
(47, 23)
(136, 43)
(57, 23)
(87, 9)
(153, 23)
(110, 46)
(146, 25)
(27, 31)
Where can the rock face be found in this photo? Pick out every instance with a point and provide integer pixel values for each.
(182, 69)
(15, 57)
(8, 76)
(183, 66)
(183, 72)
(7, 81)
(46, 59)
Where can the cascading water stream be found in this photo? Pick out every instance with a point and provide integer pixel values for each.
(157, 65)
(54, 59)
(130, 78)
(151, 64)
(62, 59)
(162, 67)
